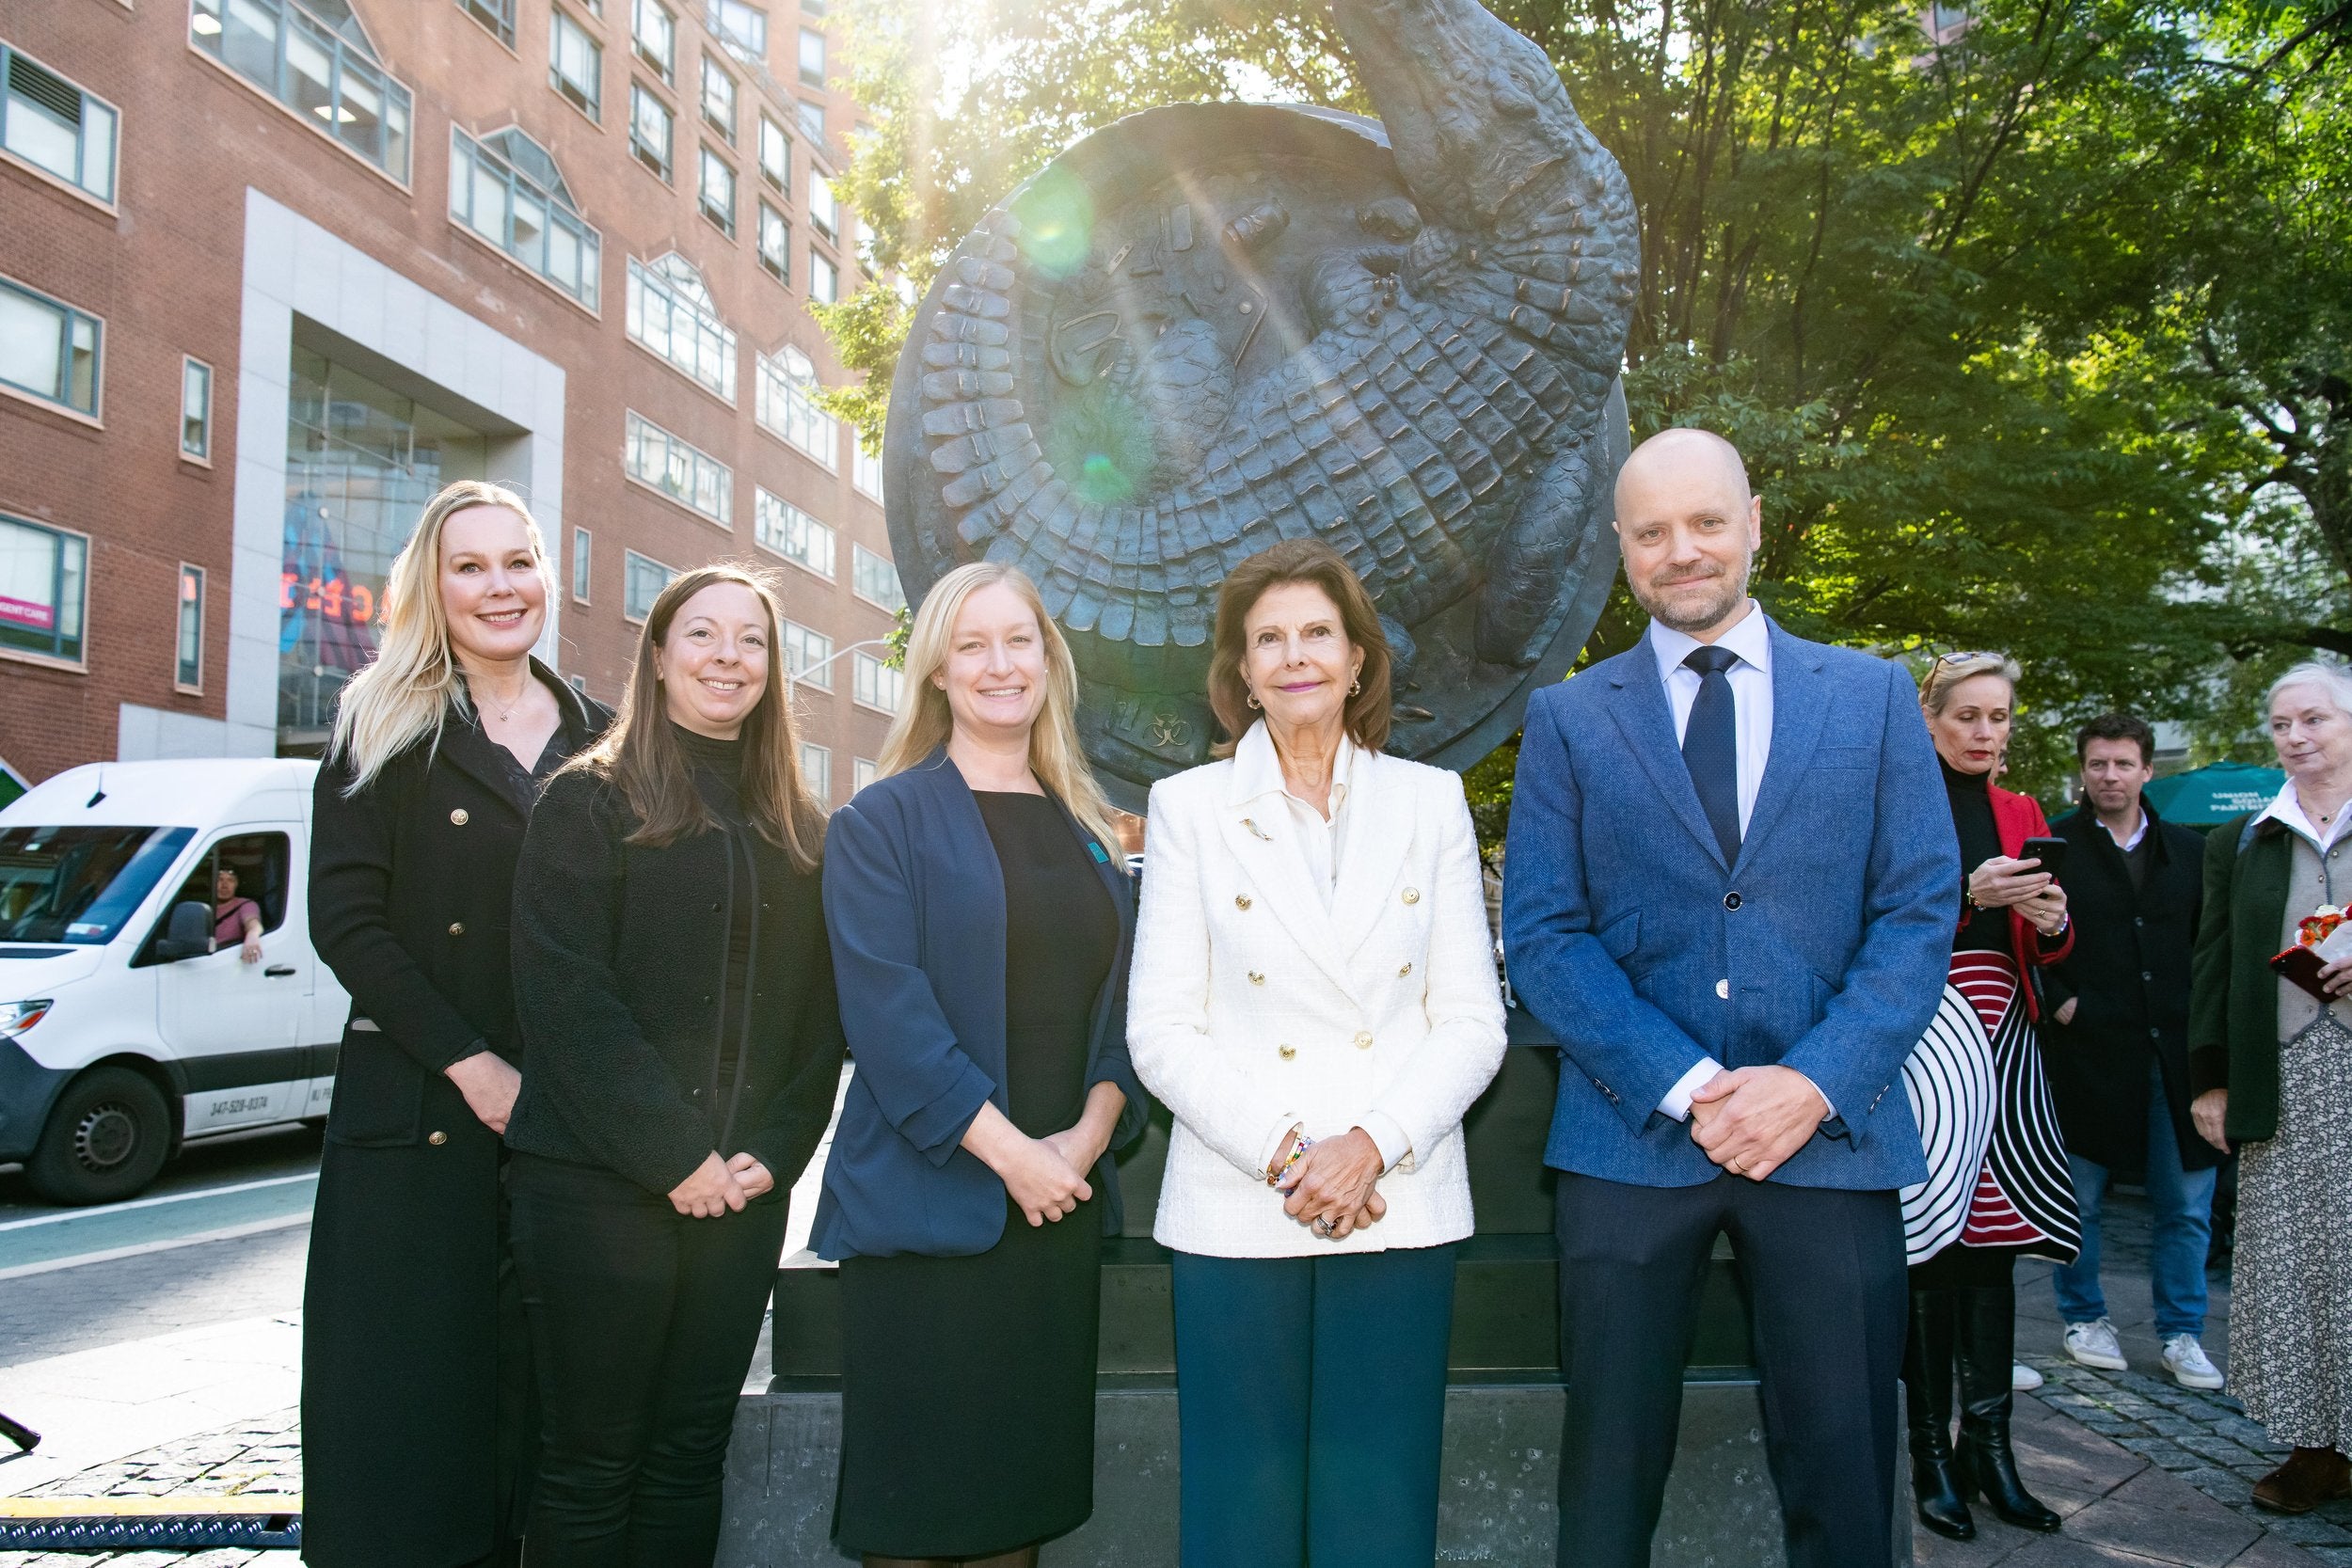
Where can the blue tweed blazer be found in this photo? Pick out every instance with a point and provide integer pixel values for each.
(1824, 947)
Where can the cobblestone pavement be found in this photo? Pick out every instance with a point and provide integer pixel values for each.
(259, 1458)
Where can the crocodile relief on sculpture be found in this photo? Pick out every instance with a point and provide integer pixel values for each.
(1210, 326)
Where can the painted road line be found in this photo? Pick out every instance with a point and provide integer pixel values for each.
(122, 1508)
(63, 1216)
(168, 1244)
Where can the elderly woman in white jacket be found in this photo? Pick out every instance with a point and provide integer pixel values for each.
(1313, 995)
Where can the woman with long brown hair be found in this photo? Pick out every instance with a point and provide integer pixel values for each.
(674, 984)
(414, 1372)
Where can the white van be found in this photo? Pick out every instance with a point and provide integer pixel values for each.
(129, 1020)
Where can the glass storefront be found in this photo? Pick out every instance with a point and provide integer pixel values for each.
(361, 461)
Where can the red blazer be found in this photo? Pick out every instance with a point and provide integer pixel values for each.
(2016, 818)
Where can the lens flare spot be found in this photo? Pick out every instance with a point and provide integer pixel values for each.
(1057, 214)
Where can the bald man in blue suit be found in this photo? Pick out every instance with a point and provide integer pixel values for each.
(1730, 890)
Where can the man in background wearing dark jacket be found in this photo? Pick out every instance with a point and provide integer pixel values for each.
(2119, 1057)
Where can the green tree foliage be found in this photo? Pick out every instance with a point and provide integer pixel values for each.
(2030, 318)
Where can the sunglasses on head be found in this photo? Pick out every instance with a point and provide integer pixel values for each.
(1964, 658)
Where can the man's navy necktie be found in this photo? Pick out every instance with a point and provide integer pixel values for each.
(1710, 746)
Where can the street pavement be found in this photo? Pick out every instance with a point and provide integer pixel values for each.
(156, 1345)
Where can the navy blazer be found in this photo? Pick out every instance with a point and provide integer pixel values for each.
(915, 900)
(1822, 947)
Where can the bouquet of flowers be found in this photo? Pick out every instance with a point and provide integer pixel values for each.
(2321, 938)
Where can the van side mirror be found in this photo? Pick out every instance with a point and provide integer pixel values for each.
(188, 934)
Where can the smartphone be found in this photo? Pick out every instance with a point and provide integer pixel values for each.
(2051, 853)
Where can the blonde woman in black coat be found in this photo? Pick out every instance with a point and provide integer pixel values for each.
(415, 1379)
(676, 988)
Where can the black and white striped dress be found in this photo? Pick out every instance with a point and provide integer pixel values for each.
(1997, 1174)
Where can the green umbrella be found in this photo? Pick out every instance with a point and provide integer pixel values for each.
(2206, 796)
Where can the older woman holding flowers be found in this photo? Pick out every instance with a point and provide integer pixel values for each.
(2272, 1067)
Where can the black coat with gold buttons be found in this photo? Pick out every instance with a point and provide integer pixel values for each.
(408, 1346)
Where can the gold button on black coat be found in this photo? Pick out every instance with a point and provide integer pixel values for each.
(436, 1140)
(457, 928)
(458, 818)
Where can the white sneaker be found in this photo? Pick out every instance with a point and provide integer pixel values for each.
(2186, 1359)
(2094, 1344)
(2023, 1378)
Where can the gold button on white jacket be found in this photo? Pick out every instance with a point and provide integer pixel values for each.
(1255, 1005)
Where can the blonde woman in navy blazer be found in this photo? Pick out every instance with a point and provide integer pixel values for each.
(982, 920)
(1312, 970)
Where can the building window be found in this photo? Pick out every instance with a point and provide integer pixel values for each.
(497, 15)
(718, 99)
(875, 684)
(824, 208)
(865, 472)
(56, 126)
(579, 564)
(817, 771)
(189, 676)
(48, 349)
(792, 533)
(812, 58)
(645, 580)
(507, 189)
(807, 655)
(649, 129)
(685, 473)
(775, 155)
(776, 243)
(812, 121)
(824, 279)
(43, 577)
(316, 60)
(672, 314)
(196, 410)
(863, 772)
(653, 31)
(717, 187)
(787, 408)
(742, 28)
(576, 66)
(873, 579)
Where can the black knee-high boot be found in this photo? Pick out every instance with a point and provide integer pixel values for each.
(1935, 1489)
(1985, 1347)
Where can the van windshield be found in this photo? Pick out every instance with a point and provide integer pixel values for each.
(80, 884)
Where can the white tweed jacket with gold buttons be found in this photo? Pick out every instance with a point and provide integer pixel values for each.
(1253, 1007)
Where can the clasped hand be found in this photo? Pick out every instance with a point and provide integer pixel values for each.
(1336, 1181)
(720, 1186)
(1751, 1120)
(2002, 882)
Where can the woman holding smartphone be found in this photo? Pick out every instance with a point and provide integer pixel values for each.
(675, 986)
(1999, 1186)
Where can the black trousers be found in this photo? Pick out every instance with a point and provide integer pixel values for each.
(643, 1324)
(1826, 1286)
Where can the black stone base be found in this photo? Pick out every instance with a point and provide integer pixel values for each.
(1501, 1452)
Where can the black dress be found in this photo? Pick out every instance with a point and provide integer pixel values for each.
(968, 1410)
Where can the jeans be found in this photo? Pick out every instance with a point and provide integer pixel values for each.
(643, 1324)
(2183, 1202)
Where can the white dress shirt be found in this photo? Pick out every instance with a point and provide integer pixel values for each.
(2140, 831)
(1751, 678)
(2288, 809)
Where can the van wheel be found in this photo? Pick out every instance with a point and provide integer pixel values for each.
(106, 1138)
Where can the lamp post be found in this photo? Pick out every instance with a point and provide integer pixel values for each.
(793, 677)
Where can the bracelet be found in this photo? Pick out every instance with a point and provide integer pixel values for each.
(1274, 1177)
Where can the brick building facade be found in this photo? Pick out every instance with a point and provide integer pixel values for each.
(271, 270)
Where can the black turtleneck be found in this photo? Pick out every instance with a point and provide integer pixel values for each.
(717, 767)
(1979, 841)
